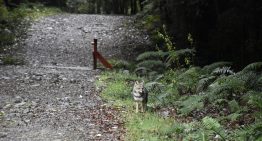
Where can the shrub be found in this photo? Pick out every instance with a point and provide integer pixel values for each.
(189, 103)
(10, 60)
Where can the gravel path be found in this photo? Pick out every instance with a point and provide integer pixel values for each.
(53, 96)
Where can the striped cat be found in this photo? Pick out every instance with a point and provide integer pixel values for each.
(140, 96)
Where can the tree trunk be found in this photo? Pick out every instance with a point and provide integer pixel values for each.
(91, 6)
(6, 3)
(141, 4)
(16, 2)
(126, 6)
(107, 6)
(98, 6)
(133, 7)
(10, 5)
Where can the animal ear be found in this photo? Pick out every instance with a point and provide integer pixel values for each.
(136, 82)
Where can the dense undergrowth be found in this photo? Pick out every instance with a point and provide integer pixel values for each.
(186, 102)
(208, 103)
(13, 25)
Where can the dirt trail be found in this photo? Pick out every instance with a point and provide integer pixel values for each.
(53, 97)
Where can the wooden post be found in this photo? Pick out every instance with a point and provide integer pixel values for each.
(94, 54)
(97, 55)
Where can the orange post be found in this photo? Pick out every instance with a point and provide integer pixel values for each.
(97, 55)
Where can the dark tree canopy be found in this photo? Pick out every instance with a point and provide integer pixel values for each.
(229, 30)
(223, 30)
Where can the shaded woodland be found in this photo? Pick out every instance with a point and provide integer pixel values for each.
(89, 6)
(229, 30)
(224, 30)
(203, 70)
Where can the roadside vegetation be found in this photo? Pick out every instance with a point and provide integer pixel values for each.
(194, 103)
(186, 102)
(13, 25)
(201, 82)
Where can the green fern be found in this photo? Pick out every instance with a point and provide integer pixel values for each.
(152, 64)
(186, 51)
(120, 64)
(155, 55)
(233, 116)
(154, 86)
(175, 55)
(250, 78)
(214, 126)
(223, 71)
(187, 81)
(234, 107)
(259, 84)
(209, 68)
(188, 104)
(226, 88)
(203, 83)
(142, 71)
(254, 82)
(251, 132)
(206, 80)
(255, 99)
(257, 67)
(210, 123)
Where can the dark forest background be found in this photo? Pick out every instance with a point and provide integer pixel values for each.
(203, 69)
(223, 30)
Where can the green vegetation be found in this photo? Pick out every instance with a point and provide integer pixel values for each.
(188, 102)
(13, 24)
(148, 127)
(191, 96)
(10, 60)
(227, 108)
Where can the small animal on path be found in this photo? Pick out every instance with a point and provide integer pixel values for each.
(140, 96)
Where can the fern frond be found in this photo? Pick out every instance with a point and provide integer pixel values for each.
(152, 64)
(191, 103)
(259, 84)
(233, 116)
(257, 67)
(141, 71)
(223, 71)
(186, 51)
(212, 67)
(187, 81)
(174, 56)
(193, 72)
(234, 106)
(210, 123)
(154, 86)
(255, 99)
(155, 55)
(250, 78)
(245, 76)
(152, 75)
(159, 77)
(224, 87)
(204, 83)
(214, 126)
(120, 64)
(251, 132)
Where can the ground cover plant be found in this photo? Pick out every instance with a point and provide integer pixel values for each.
(13, 25)
(191, 104)
(187, 102)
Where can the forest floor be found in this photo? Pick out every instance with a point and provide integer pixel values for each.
(52, 96)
